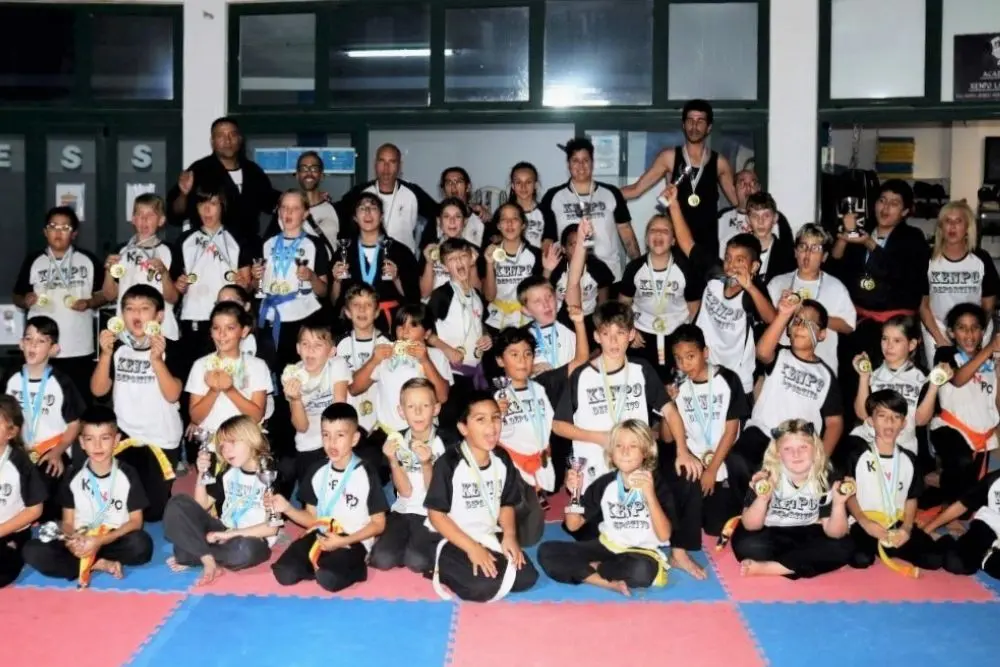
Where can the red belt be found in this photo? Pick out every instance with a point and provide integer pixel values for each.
(882, 316)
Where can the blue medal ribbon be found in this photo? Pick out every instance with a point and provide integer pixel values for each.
(704, 421)
(987, 366)
(238, 508)
(368, 275)
(629, 497)
(32, 408)
(549, 352)
(283, 255)
(100, 505)
(329, 501)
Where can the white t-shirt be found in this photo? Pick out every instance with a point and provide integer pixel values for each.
(239, 500)
(352, 507)
(236, 176)
(401, 208)
(459, 319)
(414, 503)
(607, 209)
(134, 258)
(307, 248)
(106, 500)
(638, 394)
(140, 407)
(509, 272)
(983, 500)
(703, 429)
(830, 292)
(527, 428)
(535, 231)
(793, 507)
(910, 382)
(726, 323)
(950, 283)
(390, 376)
(884, 483)
(624, 517)
(474, 230)
(21, 484)
(356, 353)
(596, 276)
(661, 296)
(317, 396)
(78, 275)
(214, 257)
(974, 403)
(555, 345)
(731, 223)
(60, 405)
(796, 389)
(255, 376)
(326, 218)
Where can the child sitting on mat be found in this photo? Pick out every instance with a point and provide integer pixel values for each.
(792, 525)
(23, 492)
(344, 511)
(978, 548)
(631, 504)
(242, 536)
(102, 501)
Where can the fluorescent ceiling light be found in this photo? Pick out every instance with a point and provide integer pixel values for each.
(561, 96)
(394, 53)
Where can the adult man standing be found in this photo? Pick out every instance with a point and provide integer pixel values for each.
(699, 194)
(247, 188)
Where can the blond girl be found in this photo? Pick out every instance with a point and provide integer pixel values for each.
(631, 503)
(241, 536)
(794, 524)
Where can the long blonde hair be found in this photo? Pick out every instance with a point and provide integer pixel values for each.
(670, 224)
(965, 211)
(642, 433)
(803, 429)
(243, 429)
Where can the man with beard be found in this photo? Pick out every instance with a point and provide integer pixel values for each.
(733, 221)
(699, 194)
(246, 187)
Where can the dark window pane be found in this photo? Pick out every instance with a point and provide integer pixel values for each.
(36, 59)
(133, 57)
(598, 52)
(380, 57)
(713, 51)
(486, 55)
(278, 59)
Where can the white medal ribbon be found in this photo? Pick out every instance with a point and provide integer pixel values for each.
(60, 270)
(699, 169)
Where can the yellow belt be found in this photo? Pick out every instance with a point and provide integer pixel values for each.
(165, 467)
(658, 556)
(888, 522)
(87, 564)
(508, 307)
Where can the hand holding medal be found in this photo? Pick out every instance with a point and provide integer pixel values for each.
(761, 484)
(846, 488)
(789, 303)
(862, 364)
(941, 375)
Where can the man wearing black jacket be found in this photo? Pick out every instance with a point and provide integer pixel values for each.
(247, 188)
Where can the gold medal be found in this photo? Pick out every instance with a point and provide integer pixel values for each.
(116, 325)
(868, 283)
(43, 300)
(366, 408)
(659, 326)
(708, 457)
(117, 271)
(762, 487)
(436, 254)
(400, 347)
(940, 376)
(33, 456)
(863, 366)
(694, 200)
(499, 255)
(794, 298)
(461, 351)
(230, 276)
(192, 278)
(152, 328)
(69, 300)
(848, 488)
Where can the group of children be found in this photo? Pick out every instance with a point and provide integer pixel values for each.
(712, 402)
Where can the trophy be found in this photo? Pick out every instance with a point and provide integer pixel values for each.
(857, 206)
(577, 464)
(343, 245)
(261, 263)
(583, 210)
(501, 384)
(203, 437)
(267, 473)
(304, 286)
(386, 244)
(662, 202)
(51, 532)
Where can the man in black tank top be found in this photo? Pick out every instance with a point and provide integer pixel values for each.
(699, 194)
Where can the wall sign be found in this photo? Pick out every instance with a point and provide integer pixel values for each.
(282, 160)
(977, 67)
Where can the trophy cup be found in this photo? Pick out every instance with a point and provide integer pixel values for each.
(51, 532)
(501, 384)
(260, 262)
(583, 210)
(662, 203)
(304, 286)
(386, 244)
(267, 473)
(343, 245)
(857, 206)
(577, 464)
(202, 437)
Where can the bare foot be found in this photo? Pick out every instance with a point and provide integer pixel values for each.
(211, 572)
(112, 567)
(617, 586)
(175, 566)
(755, 568)
(680, 559)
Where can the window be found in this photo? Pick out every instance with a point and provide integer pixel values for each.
(71, 180)
(713, 51)
(277, 59)
(133, 57)
(865, 62)
(380, 58)
(969, 17)
(39, 63)
(142, 167)
(597, 53)
(486, 55)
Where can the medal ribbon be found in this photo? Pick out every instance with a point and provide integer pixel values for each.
(704, 421)
(100, 505)
(887, 485)
(236, 509)
(549, 351)
(465, 304)
(282, 254)
(615, 408)
(474, 467)
(33, 409)
(584, 210)
(210, 241)
(986, 367)
(699, 169)
(329, 501)
(60, 270)
(368, 274)
(819, 285)
(624, 498)
(4, 457)
(536, 415)
(659, 295)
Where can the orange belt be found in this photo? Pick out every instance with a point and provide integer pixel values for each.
(882, 316)
(44, 447)
(87, 564)
(386, 308)
(322, 522)
(977, 439)
(529, 463)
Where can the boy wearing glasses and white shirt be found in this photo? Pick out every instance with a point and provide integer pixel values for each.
(809, 281)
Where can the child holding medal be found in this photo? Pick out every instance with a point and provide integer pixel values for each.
(344, 511)
(450, 225)
(25, 492)
(360, 309)
(595, 282)
(507, 263)
(470, 506)
(411, 454)
(632, 505)
(794, 524)
(51, 406)
(242, 535)
(664, 292)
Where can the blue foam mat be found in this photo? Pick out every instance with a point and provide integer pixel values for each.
(681, 587)
(989, 582)
(153, 576)
(887, 634)
(225, 631)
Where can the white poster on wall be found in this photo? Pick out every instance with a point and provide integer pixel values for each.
(11, 324)
(132, 191)
(71, 195)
